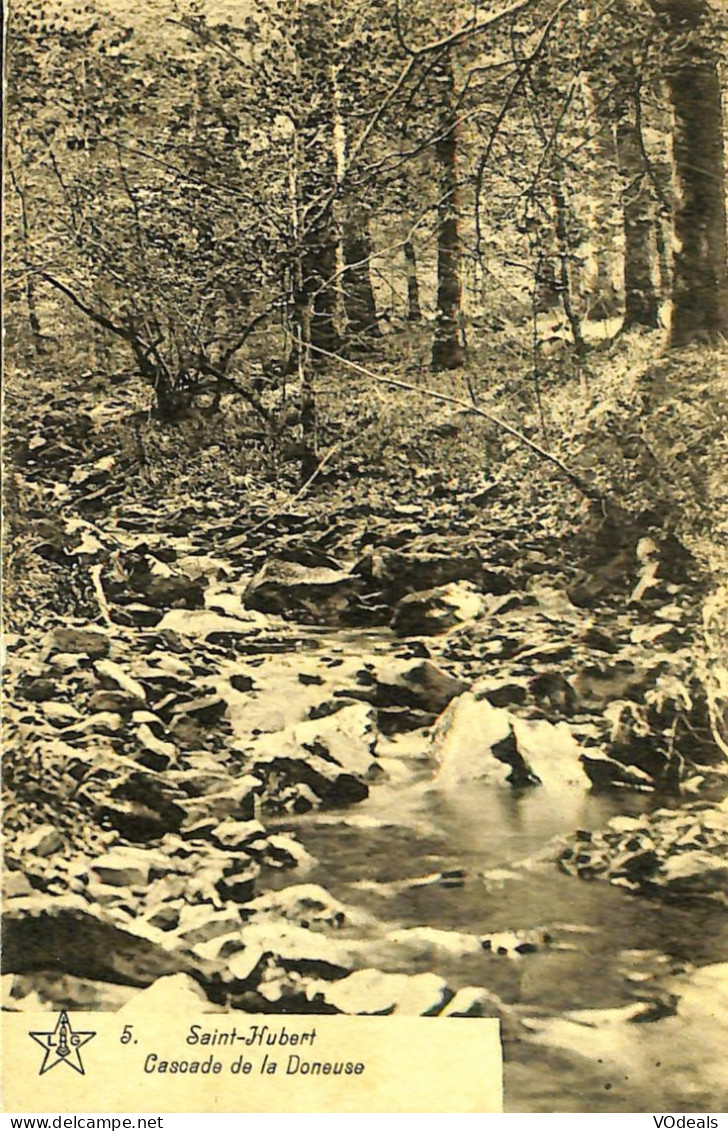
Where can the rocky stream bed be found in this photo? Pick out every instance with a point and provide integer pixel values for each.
(378, 763)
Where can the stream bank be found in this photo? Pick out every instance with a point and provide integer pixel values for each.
(347, 777)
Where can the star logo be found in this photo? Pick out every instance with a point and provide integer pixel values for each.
(62, 1046)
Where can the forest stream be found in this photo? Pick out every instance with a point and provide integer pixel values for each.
(479, 860)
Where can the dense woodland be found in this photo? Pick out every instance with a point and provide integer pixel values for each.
(398, 331)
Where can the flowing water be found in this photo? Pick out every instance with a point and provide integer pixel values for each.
(384, 855)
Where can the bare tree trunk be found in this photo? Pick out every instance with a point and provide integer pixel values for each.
(561, 210)
(600, 295)
(318, 173)
(700, 270)
(640, 298)
(30, 297)
(359, 300)
(414, 310)
(319, 269)
(447, 348)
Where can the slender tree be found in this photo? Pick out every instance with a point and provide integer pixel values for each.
(447, 348)
(359, 299)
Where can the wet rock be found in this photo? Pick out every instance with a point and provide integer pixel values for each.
(16, 884)
(605, 773)
(330, 755)
(37, 690)
(210, 626)
(284, 762)
(236, 800)
(308, 594)
(44, 840)
(474, 1001)
(675, 853)
(44, 990)
(88, 641)
(176, 994)
(414, 683)
(303, 904)
(434, 611)
(140, 808)
(296, 948)
(128, 867)
(398, 572)
(372, 991)
(473, 739)
(237, 835)
(64, 935)
(637, 864)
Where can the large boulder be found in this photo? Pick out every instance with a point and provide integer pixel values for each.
(141, 807)
(64, 935)
(376, 992)
(88, 641)
(297, 948)
(414, 683)
(398, 572)
(213, 627)
(437, 610)
(331, 756)
(309, 594)
(304, 904)
(473, 739)
(234, 800)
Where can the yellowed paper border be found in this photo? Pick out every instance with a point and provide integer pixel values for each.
(100, 1062)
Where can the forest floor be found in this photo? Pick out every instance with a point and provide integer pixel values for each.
(435, 735)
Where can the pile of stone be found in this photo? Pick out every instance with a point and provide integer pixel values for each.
(677, 854)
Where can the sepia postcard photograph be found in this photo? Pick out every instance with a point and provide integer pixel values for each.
(365, 557)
